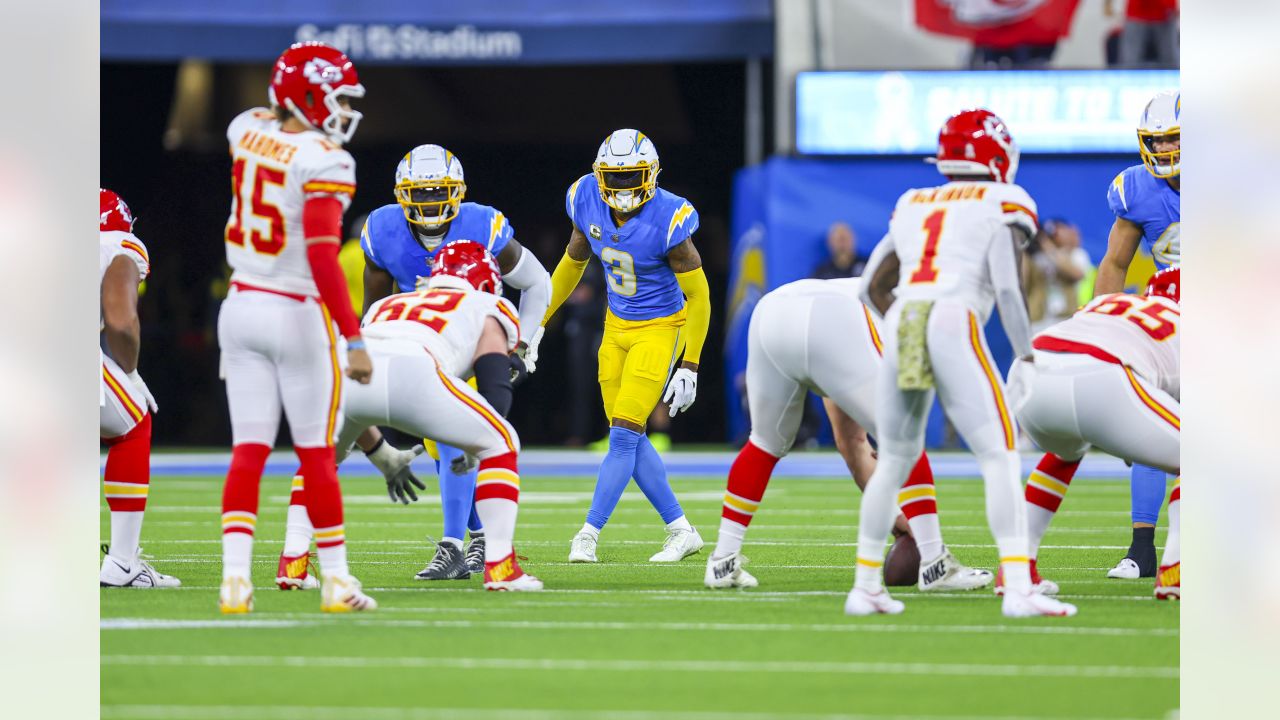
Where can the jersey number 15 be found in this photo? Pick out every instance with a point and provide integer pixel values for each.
(272, 243)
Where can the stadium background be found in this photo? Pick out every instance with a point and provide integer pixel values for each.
(523, 95)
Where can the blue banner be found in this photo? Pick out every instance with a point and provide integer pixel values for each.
(433, 33)
(1047, 111)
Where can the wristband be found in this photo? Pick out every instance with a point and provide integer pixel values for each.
(376, 446)
(357, 344)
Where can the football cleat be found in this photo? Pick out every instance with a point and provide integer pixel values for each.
(137, 573)
(293, 573)
(447, 564)
(236, 595)
(507, 575)
(946, 573)
(680, 544)
(861, 602)
(583, 548)
(1169, 582)
(1126, 569)
(727, 572)
(475, 554)
(341, 594)
(1018, 605)
(1038, 584)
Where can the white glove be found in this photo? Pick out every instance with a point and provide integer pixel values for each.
(681, 391)
(141, 384)
(529, 352)
(464, 463)
(394, 466)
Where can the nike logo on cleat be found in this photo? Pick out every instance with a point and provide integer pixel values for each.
(722, 570)
(934, 572)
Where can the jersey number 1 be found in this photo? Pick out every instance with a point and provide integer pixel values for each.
(927, 271)
(271, 244)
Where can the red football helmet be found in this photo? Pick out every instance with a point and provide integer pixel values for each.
(115, 214)
(469, 261)
(1167, 284)
(308, 80)
(977, 142)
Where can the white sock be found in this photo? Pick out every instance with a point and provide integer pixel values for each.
(456, 542)
(237, 552)
(126, 529)
(730, 539)
(587, 528)
(1038, 520)
(297, 531)
(1007, 515)
(333, 560)
(927, 532)
(876, 515)
(680, 523)
(499, 518)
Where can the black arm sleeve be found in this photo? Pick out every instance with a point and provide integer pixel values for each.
(493, 380)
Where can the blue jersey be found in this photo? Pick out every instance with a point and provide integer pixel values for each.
(1151, 203)
(390, 244)
(642, 286)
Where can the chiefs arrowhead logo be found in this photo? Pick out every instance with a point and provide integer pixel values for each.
(319, 71)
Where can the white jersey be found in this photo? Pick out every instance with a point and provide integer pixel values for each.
(841, 287)
(942, 236)
(273, 174)
(114, 243)
(446, 321)
(1139, 331)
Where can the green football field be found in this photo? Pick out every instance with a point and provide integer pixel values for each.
(626, 638)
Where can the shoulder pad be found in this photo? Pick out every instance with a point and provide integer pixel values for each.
(684, 222)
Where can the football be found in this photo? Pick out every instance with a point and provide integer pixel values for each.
(902, 562)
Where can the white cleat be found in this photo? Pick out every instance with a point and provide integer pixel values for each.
(946, 573)
(861, 602)
(342, 593)
(583, 548)
(727, 572)
(679, 545)
(136, 573)
(236, 595)
(1018, 605)
(1126, 569)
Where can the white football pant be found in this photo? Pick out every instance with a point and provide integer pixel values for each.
(121, 405)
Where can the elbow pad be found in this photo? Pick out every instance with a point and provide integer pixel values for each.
(493, 380)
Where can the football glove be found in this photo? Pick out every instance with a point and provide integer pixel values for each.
(528, 352)
(394, 466)
(464, 463)
(141, 384)
(681, 391)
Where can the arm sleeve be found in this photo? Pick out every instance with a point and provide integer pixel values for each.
(534, 283)
(565, 278)
(881, 251)
(322, 217)
(493, 380)
(1004, 276)
(698, 299)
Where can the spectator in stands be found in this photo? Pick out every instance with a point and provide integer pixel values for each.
(842, 248)
(1053, 268)
(1149, 37)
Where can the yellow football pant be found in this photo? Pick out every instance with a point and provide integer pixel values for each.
(635, 358)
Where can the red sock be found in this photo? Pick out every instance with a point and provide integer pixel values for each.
(919, 496)
(240, 493)
(748, 479)
(497, 504)
(323, 498)
(1049, 482)
(127, 477)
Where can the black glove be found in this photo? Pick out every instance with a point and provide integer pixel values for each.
(519, 371)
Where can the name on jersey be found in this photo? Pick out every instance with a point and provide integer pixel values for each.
(964, 192)
(267, 147)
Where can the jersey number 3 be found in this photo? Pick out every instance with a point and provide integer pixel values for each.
(273, 243)
(621, 270)
(927, 271)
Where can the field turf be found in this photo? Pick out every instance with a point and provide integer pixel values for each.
(626, 638)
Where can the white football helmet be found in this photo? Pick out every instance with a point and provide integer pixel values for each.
(626, 170)
(1161, 123)
(430, 187)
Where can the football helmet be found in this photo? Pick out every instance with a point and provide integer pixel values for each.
(626, 170)
(1167, 283)
(465, 264)
(309, 80)
(976, 142)
(1161, 123)
(114, 214)
(430, 186)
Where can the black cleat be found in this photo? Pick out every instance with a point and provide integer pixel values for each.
(448, 564)
(475, 554)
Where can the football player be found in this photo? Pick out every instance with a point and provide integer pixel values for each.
(401, 241)
(1109, 377)
(125, 405)
(1146, 200)
(659, 303)
(817, 335)
(950, 254)
(291, 181)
